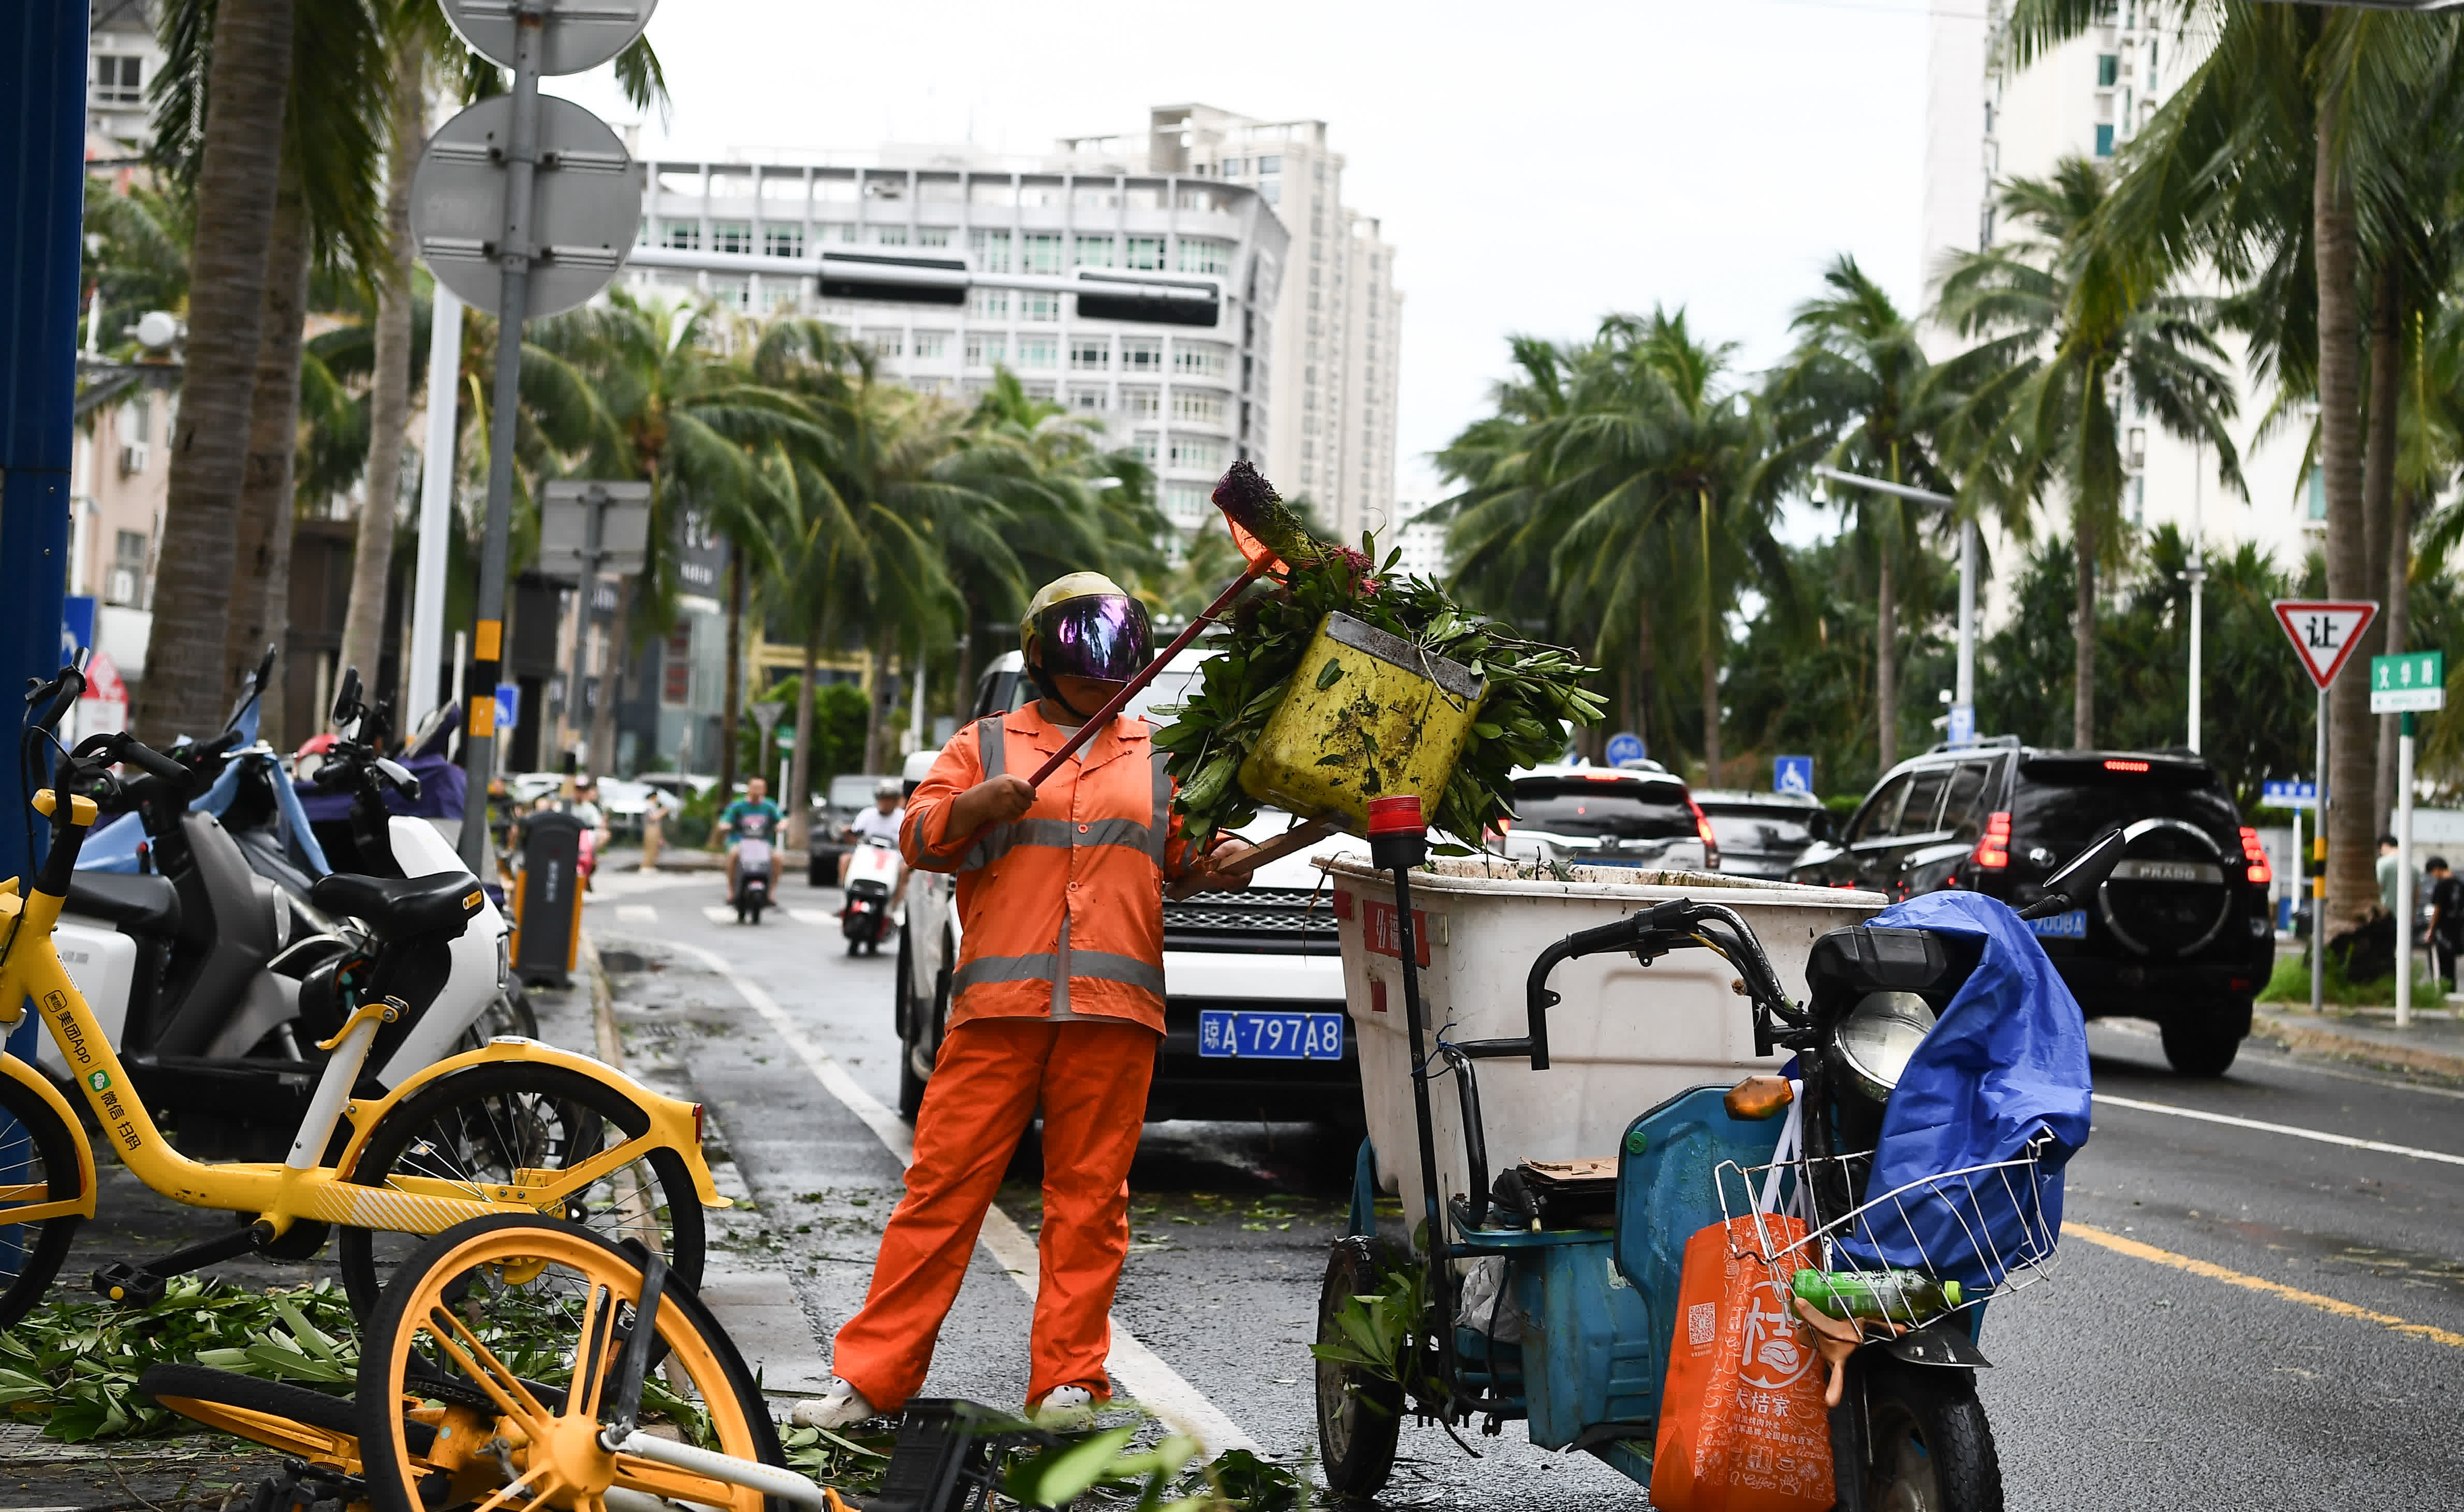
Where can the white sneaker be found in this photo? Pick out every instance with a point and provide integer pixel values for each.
(1064, 1402)
(836, 1408)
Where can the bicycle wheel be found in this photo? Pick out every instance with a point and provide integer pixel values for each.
(485, 1124)
(39, 1167)
(502, 1335)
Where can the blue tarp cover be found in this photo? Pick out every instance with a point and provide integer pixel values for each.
(2007, 1062)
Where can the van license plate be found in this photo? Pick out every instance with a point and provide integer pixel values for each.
(1232, 1034)
(2072, 925)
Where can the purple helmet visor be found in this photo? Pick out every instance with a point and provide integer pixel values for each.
(1102, 635)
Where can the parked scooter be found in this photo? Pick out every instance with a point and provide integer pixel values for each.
(754, 868)
(873, 872)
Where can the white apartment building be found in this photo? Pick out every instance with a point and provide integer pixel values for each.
(1142, 300)
(121, 58)
(1986, 124)
(1337, 329)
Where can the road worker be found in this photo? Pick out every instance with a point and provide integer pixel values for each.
(1057, 1004)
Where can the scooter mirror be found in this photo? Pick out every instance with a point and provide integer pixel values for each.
(399, 775)
(346, 698)
(2085, 872)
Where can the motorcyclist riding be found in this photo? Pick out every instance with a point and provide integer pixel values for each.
(751, 818)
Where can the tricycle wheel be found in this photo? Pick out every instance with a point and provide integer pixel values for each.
(1928, 1447)
(1359, 1414)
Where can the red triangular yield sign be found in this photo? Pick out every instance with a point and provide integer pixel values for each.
(2324, 632)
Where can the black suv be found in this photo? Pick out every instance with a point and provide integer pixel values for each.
(2180, 933)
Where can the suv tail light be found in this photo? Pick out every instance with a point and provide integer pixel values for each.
(2256, 855)
(1993, 850)
(1703, 828)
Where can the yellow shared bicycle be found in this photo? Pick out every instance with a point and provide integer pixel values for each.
(514, 1128)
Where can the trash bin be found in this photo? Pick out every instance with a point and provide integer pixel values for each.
(547, 899)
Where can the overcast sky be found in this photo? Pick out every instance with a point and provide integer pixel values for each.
(1536, 164)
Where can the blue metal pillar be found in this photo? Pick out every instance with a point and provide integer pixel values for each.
(42, 203)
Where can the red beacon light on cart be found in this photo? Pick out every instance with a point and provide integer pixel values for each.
(1398, 834)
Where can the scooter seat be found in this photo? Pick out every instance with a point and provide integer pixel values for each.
(402, 908)
(145, 904)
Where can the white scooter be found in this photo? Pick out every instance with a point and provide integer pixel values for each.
(873, 871)
(753, 873)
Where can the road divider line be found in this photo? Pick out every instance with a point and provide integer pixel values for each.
(2261, 1283)
(2320, 1135)
(1159, 1387)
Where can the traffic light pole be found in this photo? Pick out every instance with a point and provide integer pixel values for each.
(513, 258)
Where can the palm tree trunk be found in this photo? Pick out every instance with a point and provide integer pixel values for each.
(261, 544)
(2352, 880)
(877, 704)
(800, 771)
(247, 84)
(2083, 629)
(389, 383)
(734, 696)
(1710, 649)
(1886, 660)
(613, 667)
(2379, 506)
(1646, 664)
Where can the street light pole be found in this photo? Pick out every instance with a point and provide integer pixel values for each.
(1964, 698)
(2198, 576)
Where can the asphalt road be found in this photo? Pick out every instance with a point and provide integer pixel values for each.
(2239, 1317)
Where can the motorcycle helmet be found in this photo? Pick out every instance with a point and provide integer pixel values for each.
(1084, 625)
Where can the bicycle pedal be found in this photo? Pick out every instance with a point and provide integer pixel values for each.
(130, 1285)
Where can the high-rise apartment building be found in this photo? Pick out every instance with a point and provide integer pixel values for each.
(1987, 124)
(1337, 331)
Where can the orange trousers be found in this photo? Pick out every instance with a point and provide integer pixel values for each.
(1090, 1079)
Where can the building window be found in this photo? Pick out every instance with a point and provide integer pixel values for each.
(1038, 305)
(683, 236)
(1205, 255)
(988, 304)
(127, 566)
(988, 349)
(783, 241)
(1141, 354)
(991, 249)
(1093, 399)
(1145, 254)
(118, 79)
(1270, 164)
(1186, 503)
(1094, 252)
(886, 340)
(2317, 492)
(931, 235)
(1040, 251)
(2104, 141)
(1233, 167)
(888, 235)
(992, 193)
(1142, 404)
(732, 293)
(1090, 353)
(932, 346)
(1196, 359)
(675, 668)
(2108, 68)
(842, 231)
(1144, 441)
(780, 294)
(1198, 405)
(1201, 453)
(731, 235)
(1038, 352)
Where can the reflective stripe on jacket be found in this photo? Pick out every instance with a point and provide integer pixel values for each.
(1065, 901)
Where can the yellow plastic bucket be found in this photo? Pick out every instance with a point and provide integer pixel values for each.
(1368, 715)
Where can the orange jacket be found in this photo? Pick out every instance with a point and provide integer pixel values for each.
(1069, 895)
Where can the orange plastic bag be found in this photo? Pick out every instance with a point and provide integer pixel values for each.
(1741, 1425)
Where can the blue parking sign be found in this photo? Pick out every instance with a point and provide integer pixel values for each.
(1793, 775)
(1623, 746)
(509, 706)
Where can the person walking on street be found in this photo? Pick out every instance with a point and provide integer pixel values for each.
(1058, 1006)
(2446, 923)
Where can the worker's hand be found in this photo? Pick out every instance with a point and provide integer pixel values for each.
(996, 800)
(1835, 1339)
(1215, 872)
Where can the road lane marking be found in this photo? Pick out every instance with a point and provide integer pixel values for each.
(812, 915)
(2320, 1135)
(1160, 1389)
(637, 913)
(2261, 1283)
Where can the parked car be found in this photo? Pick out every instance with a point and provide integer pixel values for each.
(678, 785)
(845, 797)
(2179, 933)
(1630, 816)
(623, 801)
(1763, 833)
(1269, 950)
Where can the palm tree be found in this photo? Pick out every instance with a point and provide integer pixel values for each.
(1854, 393)
(2065, 333)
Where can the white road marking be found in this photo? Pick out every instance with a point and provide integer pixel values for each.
(719, 914)
(2320, 1135)
(637, 913)
(2142, 1029)
(1155, 1383)
(812, 915)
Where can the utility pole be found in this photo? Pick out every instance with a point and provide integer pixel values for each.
(2198, 576)
(435, 506)
(1962, 708)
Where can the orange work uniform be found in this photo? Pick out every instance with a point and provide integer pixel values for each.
(1058, 1002)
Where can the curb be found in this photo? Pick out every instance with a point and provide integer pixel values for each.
(2295, 1036)
(602, 1006)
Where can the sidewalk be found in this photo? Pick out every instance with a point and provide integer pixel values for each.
(2434, 1044)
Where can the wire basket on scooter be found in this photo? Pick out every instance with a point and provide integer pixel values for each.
(1984, 1227)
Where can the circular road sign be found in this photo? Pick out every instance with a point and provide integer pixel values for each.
(578, 36)
(585, 205)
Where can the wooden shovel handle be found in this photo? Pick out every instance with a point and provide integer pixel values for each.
(1298, 838)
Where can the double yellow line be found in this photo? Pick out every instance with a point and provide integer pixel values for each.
(2259, 1283)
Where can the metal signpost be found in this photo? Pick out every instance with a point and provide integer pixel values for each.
(522, 205)
(2293, 797)
(1963, 704)
(586, 528)
(2323, 632)
(2405, 684)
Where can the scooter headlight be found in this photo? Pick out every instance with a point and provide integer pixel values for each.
(1879, 1035)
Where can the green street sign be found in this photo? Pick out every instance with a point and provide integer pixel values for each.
(2414, 680)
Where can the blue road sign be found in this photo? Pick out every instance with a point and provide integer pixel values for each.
(76, 623)
(2289, 794)
(1793, 775)
(1623, 746)
(509, 706)
(1963, 725)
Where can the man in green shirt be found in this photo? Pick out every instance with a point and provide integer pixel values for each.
(751, 818)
